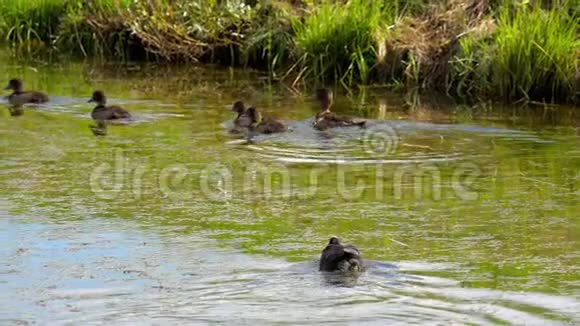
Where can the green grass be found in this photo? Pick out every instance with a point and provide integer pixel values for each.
(536, 54)
(94, 28)
(30, 23)
(269, 42)
(336, 42)
(533, 55)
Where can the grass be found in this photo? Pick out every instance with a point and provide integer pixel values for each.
(95, 28)
(337, 42)
(499, 49)
(533, 55)
(29, 24)
(269, 42)
(536, 54)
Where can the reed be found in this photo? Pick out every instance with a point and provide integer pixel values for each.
(499, 49)
(533, 55)
(96, 29)
(29, 24)
(336, 41)
(536, 54)
(269, 39)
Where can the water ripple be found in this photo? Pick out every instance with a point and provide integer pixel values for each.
(90, 276)
(382, 142)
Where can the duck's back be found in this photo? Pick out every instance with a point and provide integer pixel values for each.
(336, 257)
(109, 113)
(27, 97)
(270, 126)
(329, 119)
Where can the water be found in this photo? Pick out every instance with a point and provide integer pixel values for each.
(470, 215)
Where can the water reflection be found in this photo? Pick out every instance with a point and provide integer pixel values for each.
(16, 110)
(477, 206)
(100, 128)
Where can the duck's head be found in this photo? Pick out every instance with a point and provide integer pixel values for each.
(15, 85)
(98, 97)
(254, 115)
(325, 97)
(239, 107)
(334, 241)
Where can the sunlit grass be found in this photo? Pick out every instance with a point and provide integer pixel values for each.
(537, 53)
(30, 23)
(533, 55)
(530, 51)
(336, 42)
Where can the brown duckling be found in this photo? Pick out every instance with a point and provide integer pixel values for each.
(340, 258)
(327, 119)
(20, 97)
(102, 112)
(242, 121)
(264, 125)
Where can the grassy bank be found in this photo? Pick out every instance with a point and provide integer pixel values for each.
(499, 49)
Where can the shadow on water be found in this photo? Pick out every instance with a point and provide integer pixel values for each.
(162, 220)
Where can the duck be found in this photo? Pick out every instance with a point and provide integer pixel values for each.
(20, 97)
(340, 258)
(103, 112)
(326, 119)
(242, 121)
(264, 125)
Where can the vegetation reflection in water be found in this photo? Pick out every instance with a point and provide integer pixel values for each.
(493, 193)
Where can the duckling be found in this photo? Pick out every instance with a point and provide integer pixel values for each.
(242, 121)
(20, 97)
(327, 119)
(265, 125)
(102, 112)
(339, 258)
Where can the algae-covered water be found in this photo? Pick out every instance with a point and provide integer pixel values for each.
(471, 214)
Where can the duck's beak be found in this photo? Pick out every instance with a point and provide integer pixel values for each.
(91, 100)
(8, 87)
